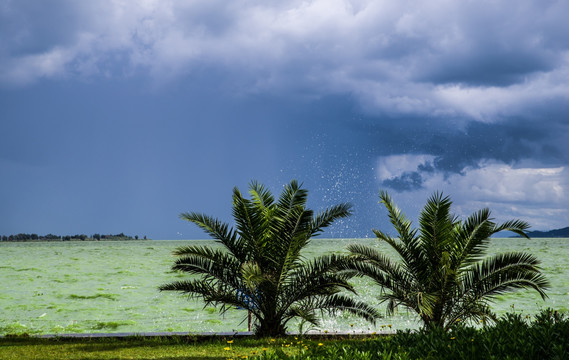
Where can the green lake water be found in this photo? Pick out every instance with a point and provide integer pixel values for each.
(75, 287)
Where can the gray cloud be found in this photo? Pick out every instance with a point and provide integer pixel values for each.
(391, 56)
(405, 182)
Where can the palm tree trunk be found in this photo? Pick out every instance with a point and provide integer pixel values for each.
(272, 327)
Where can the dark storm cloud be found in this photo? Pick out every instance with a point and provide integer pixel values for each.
(338, 46)
(507, 143)
(496, 47)
(466, 95)
(483, 68)
(410, 180)
(456, 148)
(406, 182)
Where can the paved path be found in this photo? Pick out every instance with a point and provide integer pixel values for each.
(204, 334)
(146, 334)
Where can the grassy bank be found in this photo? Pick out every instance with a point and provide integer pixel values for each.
(182, 347)
(514, 336)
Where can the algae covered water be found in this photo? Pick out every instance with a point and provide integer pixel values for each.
(75, 287)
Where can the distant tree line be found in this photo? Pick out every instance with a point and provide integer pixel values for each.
(76, 237)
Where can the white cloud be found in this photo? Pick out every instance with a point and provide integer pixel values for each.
(502, 183)
(535, 194)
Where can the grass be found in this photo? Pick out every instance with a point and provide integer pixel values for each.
(167, 348)
(545, 336)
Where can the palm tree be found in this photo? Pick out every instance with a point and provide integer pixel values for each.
(443, 274)
(261, 267)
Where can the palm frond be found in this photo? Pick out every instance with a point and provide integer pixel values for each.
(409, 246)
(436, 226)
(318, 276)
(350, 305)
(293, 237)
(252, 275)
(473, 238)
(218, 230)
(411, 253)
(250, 223)
(400, 222)
(516, 226)
(306, 313)
(291, 197)
(223, 269)
(469, 310)
(506, 272)
(211, 294)
(328, 216)
(290, 221)
(370, 262)
(261, 195)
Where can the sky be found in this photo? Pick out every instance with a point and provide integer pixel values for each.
(117, 115)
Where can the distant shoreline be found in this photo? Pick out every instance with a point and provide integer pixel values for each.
(23, 237)
(556, 233)
(73, 240)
